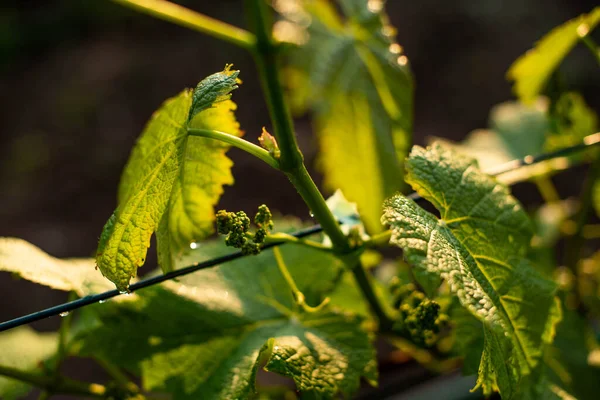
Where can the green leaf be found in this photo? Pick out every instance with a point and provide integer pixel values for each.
(531, 71)
(351, 74)
(572, 120)
(206, 169)
(171, 181)
(478, 247)
(30, 262)
(206, 335)
(468, 338)
(565, 372)
(24, 349)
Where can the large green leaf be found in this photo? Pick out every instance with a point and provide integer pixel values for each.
(30, 262)
(478, 247)
(350, 72)
(168, 170)
(531, 71)
(206, 335)
(24, 349)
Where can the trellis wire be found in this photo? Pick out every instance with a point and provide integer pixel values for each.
(64, 308)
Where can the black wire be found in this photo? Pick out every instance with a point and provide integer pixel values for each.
(589, 141)
(87, 300)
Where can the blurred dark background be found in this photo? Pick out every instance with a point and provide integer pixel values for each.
(79, 79)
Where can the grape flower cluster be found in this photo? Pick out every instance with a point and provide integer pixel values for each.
(236, 225)
(420, 318)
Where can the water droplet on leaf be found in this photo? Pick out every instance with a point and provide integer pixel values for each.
(64, 314)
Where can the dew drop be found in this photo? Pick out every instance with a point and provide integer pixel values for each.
(311, 214)
(193, 245)
(375, 6)
(395, 48)
(102, 301)
(64, 314)
(402, 60)
(123, 291)
(583, 30)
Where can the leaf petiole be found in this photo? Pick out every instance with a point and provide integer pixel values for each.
(191, 19)
(240, 143)
(592, 46)
(298, 295)
(64, 386)
(284, 237)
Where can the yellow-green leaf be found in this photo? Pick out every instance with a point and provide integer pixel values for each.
(478, 247)
(30, 262)
(352, 75)
(199, 185)
(24, 349)
(144, 192)
(531, 71)
(172, 181)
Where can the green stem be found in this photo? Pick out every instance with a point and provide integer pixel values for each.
(291, 160)
(574, 246)
(118, 376)
(237, 142)
(265, 56)
(307, 189)
(193, 20)
(379, 240)
(284, 237)
(547, 189)
(63, 334)
(64, 385)
(364, 283)
(590, 44)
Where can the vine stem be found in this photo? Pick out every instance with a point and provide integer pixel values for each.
(240, 143)
(191, 19)
(64, 385)
(292, 160)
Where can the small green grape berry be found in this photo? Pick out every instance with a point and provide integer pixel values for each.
(224, 222)
(250, 248)
(260, 235)
(235, 240)
(242, 222)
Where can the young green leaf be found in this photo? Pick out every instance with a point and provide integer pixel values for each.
(24, 349)
(478, 246)
(144, 192)
(199, 185)
(226, 322)
(171, 181)
(352, 75)
(531, 71)
(29, 262)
